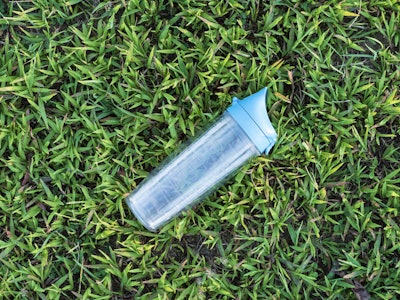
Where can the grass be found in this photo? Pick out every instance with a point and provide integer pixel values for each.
(94, 94)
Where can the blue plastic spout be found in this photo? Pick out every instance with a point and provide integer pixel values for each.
(251, 115)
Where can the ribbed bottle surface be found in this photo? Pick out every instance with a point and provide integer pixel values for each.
(192, 174)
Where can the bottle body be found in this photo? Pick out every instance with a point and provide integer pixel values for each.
(193, 173)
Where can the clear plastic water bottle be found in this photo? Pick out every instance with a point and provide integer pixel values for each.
(242, 132)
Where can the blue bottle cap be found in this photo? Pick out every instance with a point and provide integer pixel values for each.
(251, 115)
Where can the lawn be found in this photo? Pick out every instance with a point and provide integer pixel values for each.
(95, 94)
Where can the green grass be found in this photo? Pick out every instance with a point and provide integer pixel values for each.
(95, 94)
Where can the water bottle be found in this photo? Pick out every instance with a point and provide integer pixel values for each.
(242, 132)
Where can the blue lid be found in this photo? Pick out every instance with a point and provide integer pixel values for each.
(251, 115)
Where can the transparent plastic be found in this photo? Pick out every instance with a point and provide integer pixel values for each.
(192, 174)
